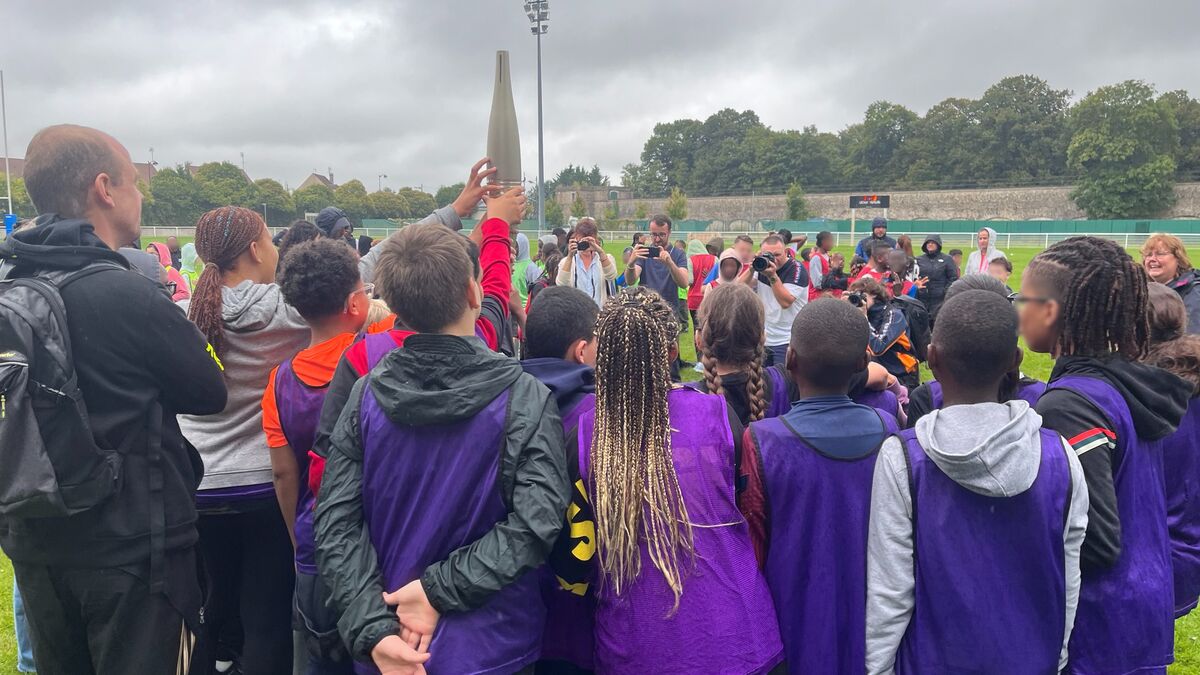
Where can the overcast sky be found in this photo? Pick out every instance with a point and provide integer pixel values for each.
(403, 88)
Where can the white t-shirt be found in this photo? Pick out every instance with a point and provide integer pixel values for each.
(779, 320)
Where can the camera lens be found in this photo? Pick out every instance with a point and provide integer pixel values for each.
(857, 299)
(583, 245)
(759, 264)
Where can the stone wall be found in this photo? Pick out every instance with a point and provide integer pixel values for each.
(1053, 203)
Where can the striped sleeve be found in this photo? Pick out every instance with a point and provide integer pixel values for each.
(1096, 437)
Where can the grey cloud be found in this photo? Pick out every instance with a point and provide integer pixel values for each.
(403, 88)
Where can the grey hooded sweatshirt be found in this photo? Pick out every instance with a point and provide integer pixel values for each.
(261, 331)
(989, 448)
(976, 262)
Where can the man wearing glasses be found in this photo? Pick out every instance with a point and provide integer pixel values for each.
(659, 266)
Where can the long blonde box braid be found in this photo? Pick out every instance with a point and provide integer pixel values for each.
(636, 491)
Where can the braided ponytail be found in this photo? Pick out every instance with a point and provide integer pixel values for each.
(221, 236)
(731, 333)
(754, 386)
(636, 491)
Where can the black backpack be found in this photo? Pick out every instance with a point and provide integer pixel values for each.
(50, 463)
(918, 323)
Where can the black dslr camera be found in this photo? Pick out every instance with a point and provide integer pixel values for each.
(857, 299)
(762, 262)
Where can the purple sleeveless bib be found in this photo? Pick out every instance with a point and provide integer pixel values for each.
(883, 401)
(1125, 617)
(299, 407)
(725, 622)
(990, 591)
(570, 618)
(779, 403)
(428, 491)
(819, 508)
(1030, 393)
(378, 345)
(1181, 461)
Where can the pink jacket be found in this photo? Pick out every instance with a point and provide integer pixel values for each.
(182, 290)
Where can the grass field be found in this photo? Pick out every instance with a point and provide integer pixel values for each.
(1187, 629)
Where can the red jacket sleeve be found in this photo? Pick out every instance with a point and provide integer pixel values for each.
(495, 259)
(752, 499)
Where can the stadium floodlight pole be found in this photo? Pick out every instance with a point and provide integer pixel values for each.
(4, 117)
(379, 180)
(538, 12)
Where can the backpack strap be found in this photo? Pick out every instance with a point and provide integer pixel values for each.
(158, 512)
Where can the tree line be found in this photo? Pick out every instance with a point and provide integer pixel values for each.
(1123, 146)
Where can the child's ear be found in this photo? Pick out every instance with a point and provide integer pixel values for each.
(673, 353)
(863, 361)
(474, 294)
(934, 359)
(1018, 358)
(790, 361)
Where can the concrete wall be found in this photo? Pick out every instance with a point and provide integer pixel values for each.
(1052, 203)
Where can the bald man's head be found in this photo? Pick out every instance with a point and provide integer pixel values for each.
(62, 163)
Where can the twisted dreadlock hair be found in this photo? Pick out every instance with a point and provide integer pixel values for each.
(221, 236)
(1171, 348)
(1102, 292)
(731, 332)
(636, 492)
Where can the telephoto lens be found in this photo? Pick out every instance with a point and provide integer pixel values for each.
(761, 263)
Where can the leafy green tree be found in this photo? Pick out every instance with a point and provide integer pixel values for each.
(178, 198)
(1187, 118)
(578, 208)
(447, 194)
(554, 213)
(281, 208)
(351, 197)
(22, 206)
(797, 205)
(641, 211)
(224, 184)
(945, 144)
(1123, 146)
(388, 204)
(577, 175)
(1023, 125)
(420, 204)
(313, 198)
(876, 152)
(677, 205)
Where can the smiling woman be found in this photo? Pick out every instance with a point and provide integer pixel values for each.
(1166, 261)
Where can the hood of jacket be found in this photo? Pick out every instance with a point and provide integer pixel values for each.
(440, 379)
(568, 382)
(1184, 282)
(56, 243)
(1157, 399)
(522, 247)
(935, 238)
(696, 247)
(991, 249)
(250, 306)
(143, 263)
(992, 449)
(163, 253)
(189, 258)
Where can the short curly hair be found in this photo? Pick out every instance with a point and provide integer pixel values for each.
(318, 276)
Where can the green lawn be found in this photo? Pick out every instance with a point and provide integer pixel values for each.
(1187, 630)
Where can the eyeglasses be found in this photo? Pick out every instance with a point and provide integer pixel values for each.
(1157, 254)
(660, 235)
(1018, 299)
(367, 290)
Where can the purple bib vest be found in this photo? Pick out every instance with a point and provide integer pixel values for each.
(819, 509)
(299, 409)
(428, 491)
(883, 401)
(991, 590)
(1181, 462)
(779, 402)
(570, 618)
(725, 622)
(1125, 617)
(1030, 393)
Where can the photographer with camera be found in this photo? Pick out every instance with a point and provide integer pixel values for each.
(781, 284)
(586, 266)
(890, 344)
(661, 267)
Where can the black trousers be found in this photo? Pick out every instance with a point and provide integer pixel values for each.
(107, 620)
(249, 575)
